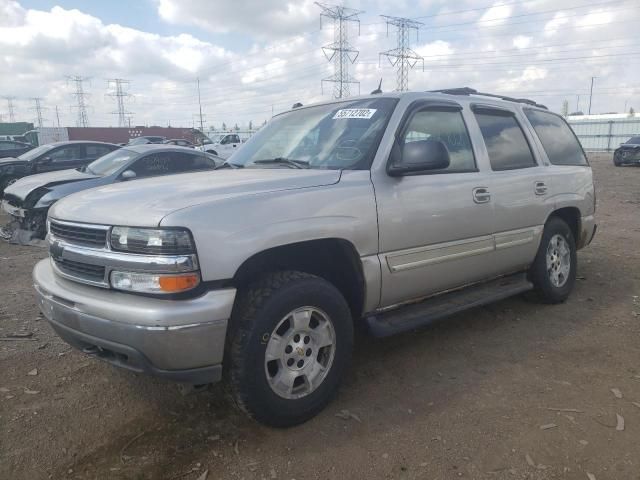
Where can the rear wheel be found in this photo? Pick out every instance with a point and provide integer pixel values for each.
(554, 269)
(289, 345)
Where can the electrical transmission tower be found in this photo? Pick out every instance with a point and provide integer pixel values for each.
(83, 119)
(340, 51)
(10, 108)
(38, 109)
(402, 56)
(118, 85)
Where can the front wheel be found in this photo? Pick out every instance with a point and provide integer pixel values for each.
(617, 159)
(289, 344)
(554, 269)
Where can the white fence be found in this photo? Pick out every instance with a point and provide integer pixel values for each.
(604, 135)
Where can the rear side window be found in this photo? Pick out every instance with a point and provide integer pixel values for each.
(557, 138)
(449, 128)
(506, 144)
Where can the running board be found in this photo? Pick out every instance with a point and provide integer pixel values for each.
(417, 315)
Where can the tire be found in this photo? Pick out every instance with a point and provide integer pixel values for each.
(261, 315)
(554, 283)
(617, 160)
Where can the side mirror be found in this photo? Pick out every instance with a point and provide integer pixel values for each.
(128, 175)
(418, 156)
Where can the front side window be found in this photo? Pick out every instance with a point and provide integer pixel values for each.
(336, 136)
(557, 138)
(96, 151)
(506, 144)
(66, 154)
(449, 128)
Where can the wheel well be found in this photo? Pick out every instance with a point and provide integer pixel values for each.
(571, 216)
(335, 260)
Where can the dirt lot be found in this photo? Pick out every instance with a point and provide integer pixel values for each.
(515, 390)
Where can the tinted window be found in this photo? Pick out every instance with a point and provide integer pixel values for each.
(633, 141)
(186, 162)
(559, 142)
(449, 128)
(7, 145)
(96, 151)
(66, 154)
(506, 144)
(170, 162)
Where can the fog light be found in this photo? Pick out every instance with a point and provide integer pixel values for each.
(154, 283)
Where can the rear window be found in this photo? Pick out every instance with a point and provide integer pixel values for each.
(557, 138)
(507, 146)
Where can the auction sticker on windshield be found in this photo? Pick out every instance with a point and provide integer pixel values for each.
(365, 113)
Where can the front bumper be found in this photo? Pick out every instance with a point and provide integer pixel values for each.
(181, 340)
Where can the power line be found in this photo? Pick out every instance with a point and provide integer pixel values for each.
(38, 109)
(342, 53)
(402, 56)
(119, 93)
(83, 118)
(10, 108)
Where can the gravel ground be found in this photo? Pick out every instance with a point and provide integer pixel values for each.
(514, 390)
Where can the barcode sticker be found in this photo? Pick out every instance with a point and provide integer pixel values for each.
(365, 113)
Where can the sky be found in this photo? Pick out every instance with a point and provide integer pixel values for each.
(254, 58)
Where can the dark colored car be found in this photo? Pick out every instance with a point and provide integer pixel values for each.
(13, 148)
(28, 200)
(50, 157)
(181, 142)
(628, 153)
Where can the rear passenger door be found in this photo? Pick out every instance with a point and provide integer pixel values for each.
(435, 227)
(520, 186)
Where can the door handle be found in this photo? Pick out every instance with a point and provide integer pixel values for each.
(481, 195)
(540, 188)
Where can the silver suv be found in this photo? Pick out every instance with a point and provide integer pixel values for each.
(393, 210)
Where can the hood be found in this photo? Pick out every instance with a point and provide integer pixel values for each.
(26, 185)
(10, 161)
(146, 202)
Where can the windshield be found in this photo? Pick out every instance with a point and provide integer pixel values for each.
(36, 152)
(634, 141)
(335, 136)
(110, 163)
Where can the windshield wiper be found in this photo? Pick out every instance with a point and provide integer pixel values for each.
(228, 165)
(284, 161)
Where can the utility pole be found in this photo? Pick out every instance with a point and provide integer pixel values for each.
(83, 118)
(200, 106)
(591, 93)
(340, 51)
(120, 94)
(402, 56)
(10, 108)
(38, 109)
(578, 103)
(57, 117)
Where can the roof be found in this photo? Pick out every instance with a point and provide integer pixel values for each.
(434, 94)
(71, 142)
(159, 147)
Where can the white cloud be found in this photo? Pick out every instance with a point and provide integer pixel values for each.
(522, 41)
(496, 15)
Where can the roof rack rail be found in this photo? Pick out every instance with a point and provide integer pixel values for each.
(471, 91)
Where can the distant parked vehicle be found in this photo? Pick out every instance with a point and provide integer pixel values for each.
(223, 146)
(12, 148)
(181, 142)
(28, 200)
(628, 153)
(17, 138)
(145, 140)
(50, 157)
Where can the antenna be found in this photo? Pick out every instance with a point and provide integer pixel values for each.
(403, 57)
(83, 119)
(340, 51)
(118, 85)
(379, 89)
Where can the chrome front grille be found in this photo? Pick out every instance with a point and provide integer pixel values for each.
(81, 271)
(90, 235)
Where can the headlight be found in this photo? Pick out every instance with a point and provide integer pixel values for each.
(154, 283)
(152, 241)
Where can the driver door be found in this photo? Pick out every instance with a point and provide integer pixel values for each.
(435, 227)
(63, 158)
